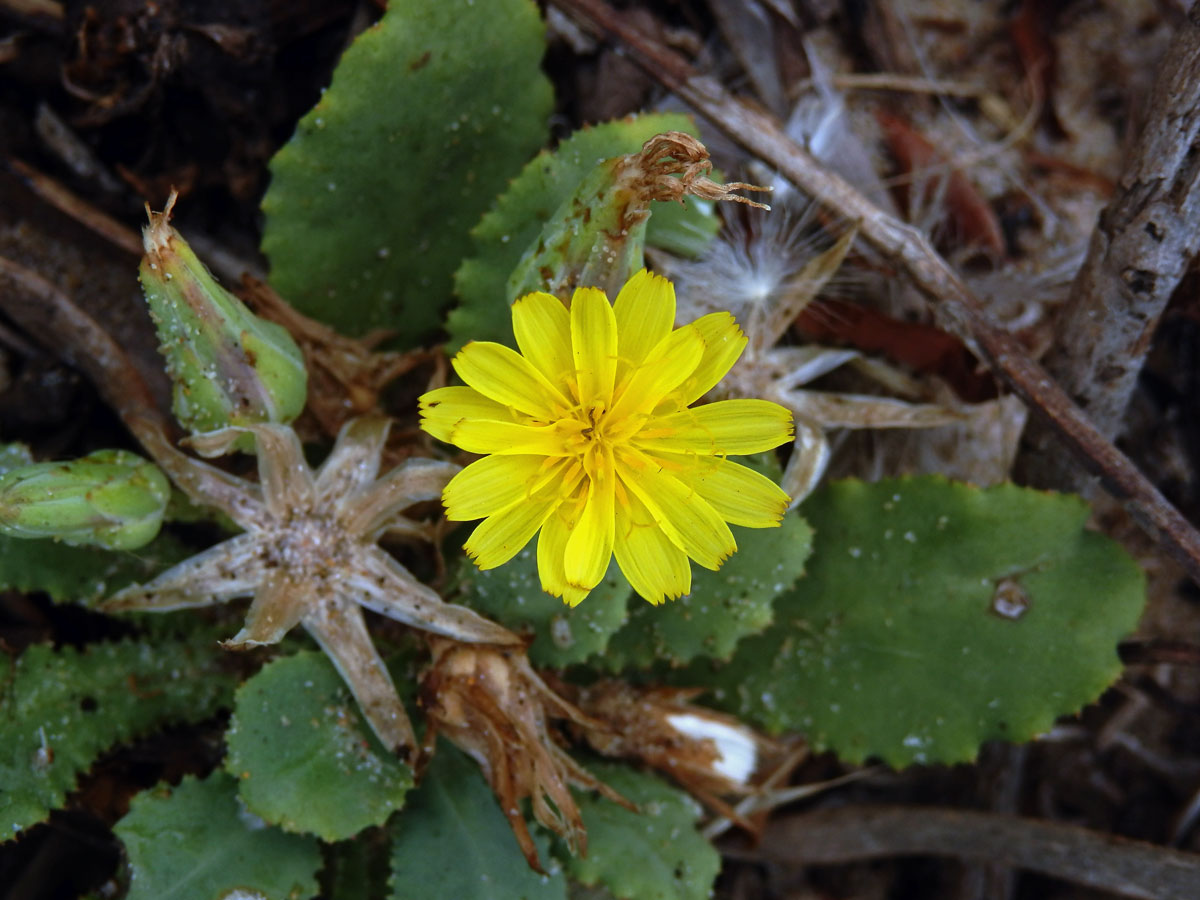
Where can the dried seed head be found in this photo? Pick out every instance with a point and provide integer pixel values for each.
(491, 703)
(673, 165)
(596, 236)
(709, 753)
(308, 556)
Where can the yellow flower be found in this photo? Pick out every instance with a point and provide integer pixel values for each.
(591, 441)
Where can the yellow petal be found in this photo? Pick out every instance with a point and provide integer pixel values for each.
(573, 595)
(723, 344)
(670, 361)
(490, 485)
(501, 535)
(593, 344)
(718, 429)
(444, 408)
(685, 517)
(655, 567)
(552, 550)
(645, 313)
(542, 327)
(507, 377)
(738, 494)
(508, 438)
(589, 548)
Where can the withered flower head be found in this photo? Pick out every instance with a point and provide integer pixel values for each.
(308, 555)
(672, 165)
(490, 702)
(708, 753)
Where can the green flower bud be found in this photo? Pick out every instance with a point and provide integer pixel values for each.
(229, 367)
(110, 498)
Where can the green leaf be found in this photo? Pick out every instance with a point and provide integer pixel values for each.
(82, 574)
(453, 841)
(512, 595)
(430, 112)
(516, 220)
(303, 756)
(62, 709)
(896, 644)
(653, 854)
(723, 607)
(193, 842)
(355, 869)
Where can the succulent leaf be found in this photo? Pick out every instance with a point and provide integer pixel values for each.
(81, 574)
(655, 853)
(724, 606)
(562, 635)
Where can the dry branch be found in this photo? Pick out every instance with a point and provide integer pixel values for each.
(1143, 243)
(958, 308)
(1105, 862)
(53, 319)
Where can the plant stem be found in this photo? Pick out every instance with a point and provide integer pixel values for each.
(1105, 862)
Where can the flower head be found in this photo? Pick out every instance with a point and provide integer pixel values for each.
(590, 440)
(308, 554)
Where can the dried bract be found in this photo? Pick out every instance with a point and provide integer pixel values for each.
(596, 236)
(672, 165)
(708, 753)
(308, 555)
(490, 702)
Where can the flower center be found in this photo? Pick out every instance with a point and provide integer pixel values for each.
(593, 423)
(309, 546)
(591, 434)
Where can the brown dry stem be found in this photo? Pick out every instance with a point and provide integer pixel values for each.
(91, 217)
(1143, 244)
(851, 833)
(55, 321)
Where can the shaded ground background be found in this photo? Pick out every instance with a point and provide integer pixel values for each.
(1037, 102)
